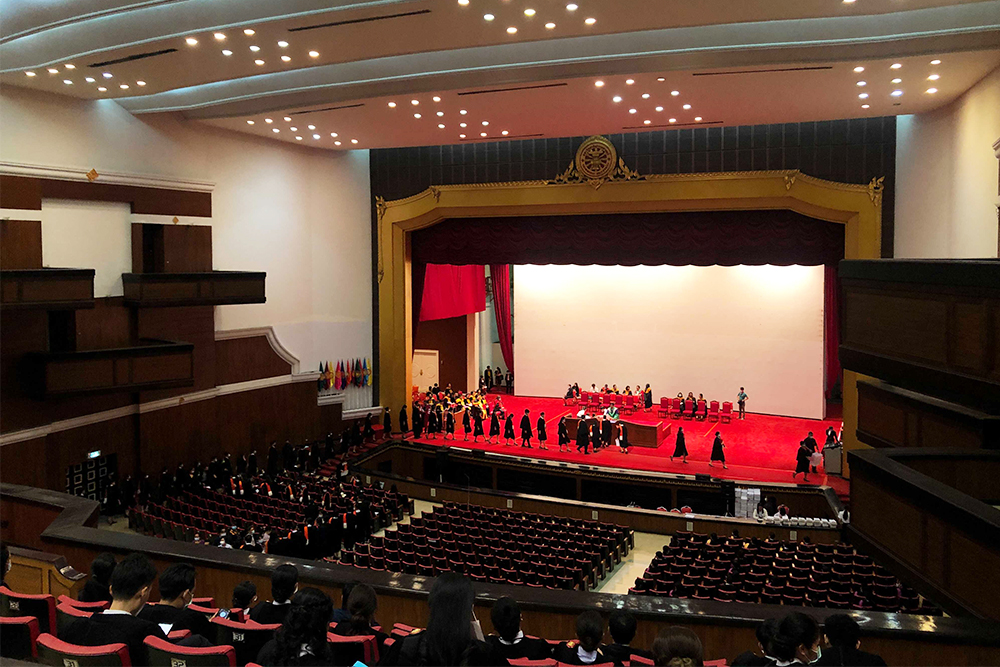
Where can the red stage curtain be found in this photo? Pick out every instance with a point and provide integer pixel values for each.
(452, 291)
(831, 324)
(501, 308)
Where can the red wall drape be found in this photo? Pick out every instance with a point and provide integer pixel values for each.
(452, 291)
(501, 308)
(831, 325)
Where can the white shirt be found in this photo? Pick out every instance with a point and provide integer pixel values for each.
(519, 637)
(585, 656)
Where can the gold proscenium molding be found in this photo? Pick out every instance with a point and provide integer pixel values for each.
(849, 204)
(596, 163)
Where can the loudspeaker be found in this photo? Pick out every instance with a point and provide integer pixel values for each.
(728, 490)
(478, 454)
(443, 461)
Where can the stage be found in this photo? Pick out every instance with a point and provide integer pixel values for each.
(760, 448)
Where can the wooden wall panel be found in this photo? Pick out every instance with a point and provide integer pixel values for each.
(187, 248)
(27, 192)
(108, 325)
(905, 327)
(448, 338)
(24, 463)
(20, 244)
(243, 359)
(254, 419)
(195, 325)
(182, 434)
(70, 447)
(331, 419)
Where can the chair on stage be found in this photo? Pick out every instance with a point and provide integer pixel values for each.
(618, 401)
(713, 411)
(594, 404)
(605, 401)
(664, 408)
(727, 412)
(702, 412)
(628, 405)
(676, 408)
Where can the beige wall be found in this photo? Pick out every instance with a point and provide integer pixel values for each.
(946, 177)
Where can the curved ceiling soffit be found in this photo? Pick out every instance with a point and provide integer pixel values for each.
(966, 27)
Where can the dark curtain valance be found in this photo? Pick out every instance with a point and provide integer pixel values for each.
(726, 238)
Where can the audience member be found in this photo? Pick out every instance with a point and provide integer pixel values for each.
(678, 646)
(622, 626)
(452, 629)
(284, 583)
(797, 640)
(301, 639)
(843, 634)
(765, 632)
(176, 593)
(96, 587)
(362, 605)
(341, 615)
(244, 595)
(131, 582)
(4, 563)
(510, 641)
(586, 650)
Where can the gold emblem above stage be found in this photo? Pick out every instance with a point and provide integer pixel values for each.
(596, 163)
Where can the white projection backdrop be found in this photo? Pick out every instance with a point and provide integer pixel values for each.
(706, 329)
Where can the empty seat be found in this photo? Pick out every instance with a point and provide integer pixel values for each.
(18, 637)
(42, 607)
(350, 650)
(53, 651)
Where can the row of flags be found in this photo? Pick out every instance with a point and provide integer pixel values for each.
(356, 373)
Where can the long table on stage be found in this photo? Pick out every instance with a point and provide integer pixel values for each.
(639, 435)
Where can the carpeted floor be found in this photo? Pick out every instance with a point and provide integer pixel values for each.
(760, 448)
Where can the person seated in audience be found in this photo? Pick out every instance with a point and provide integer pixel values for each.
(301, 639)
(510, 641)
(244, 595)
(341, 615)
(765, 631)
(678, 646)
(605, 389)
(797, 640)
(96, 589)
(586, 649)
(176, 592)
(453, 635)
(843, 634)
(614, 389)
(4, 564)
(131, 582)
(622, 626)
(284, 583)
(362, 605)
(628, 390)
(569, 393)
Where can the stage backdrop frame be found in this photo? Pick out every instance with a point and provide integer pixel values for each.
(858, 207)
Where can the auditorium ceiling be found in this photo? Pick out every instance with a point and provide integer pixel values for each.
(342, 74)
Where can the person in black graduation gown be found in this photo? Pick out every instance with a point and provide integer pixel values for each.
(647, 398)
(526, 432)
(404, 422)
(540, 428)
(272, 460)
(488, 376)
(369, 433)
(494, 426)
(607, 430)
(449, 424)
(508, 430)
(562, 433)
(432, 425)
(477, 417)
(510, 382)
(176, 592)
(252, 463)
(595, 435)
(680, 448)
(812, 445)
(623, 442)
(288, 456)
(284, 580)
(386, 424)
(802, 461)
(582, 435)
(466, 421)
(718, 451)
(418, 422)
(510, 641)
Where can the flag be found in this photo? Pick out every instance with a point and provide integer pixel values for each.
(357, 373)
(319, 381)
(329, 376)
(370, 372)
(364, 372)
(338, 383)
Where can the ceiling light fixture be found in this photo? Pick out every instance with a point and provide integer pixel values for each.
(89, 79)
(485, 123)
(314, 54)
(283, 44)
(660, 79)
(250, 122)
(53, 70)
(298, 138)
(315, 136)
(254, 48)
(440, 113)
(897, 81)
(934, 77)
(675, 93)
(102, 89)
(571, 7)
(598, 84)
(258, 62)
(505, 133)
(69, 82)
(859, 69)
(629, 82)
(697, 119)
(511, 30)
(287, 119)
(482, 134)
(414, 102)
(354, 141)
(463, 125)
(220, 36)
(529, 12)
(311, 127)
(659, 108)
(645, 96)
(687, 107)
(616, 99)
(550, 26)
(69, 66)
(461, 136)
(334, 135)
(436, 98)
(286, 59)
(647, 122)
(463, 112)
(862, 83)
(633, 110)
(935, 62)
(275, 130)
(268, 121)
(440, 126)
(107, 75)
(227, 52)
(673, 120)
(140, 83)
(249, 32)
(863, 96)
(463, 2)
(895, 65)
(590, 20)
(931, 91)
(191, 41)
(416, 115)
(488, 17)
(336, 143)
(865, 106)
(29, 74)
(294, 129)
(392, 105)
(124, 86)
(896, 93)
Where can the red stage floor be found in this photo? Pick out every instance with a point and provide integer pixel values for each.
(760, 448)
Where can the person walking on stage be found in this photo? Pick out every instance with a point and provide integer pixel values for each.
(526, 430)
(563, 434)
(812, 446)
(802, 461)
(680, 449)
(494, 427)
(509, 378)
(404, 422)
(449, 424)
(718, 451)
(466, 426)
(542, 435)
(595, 435)
(477, 417)
(622, 433)
(508, 431)
(488, 376)
(582, 434)
(741, 402)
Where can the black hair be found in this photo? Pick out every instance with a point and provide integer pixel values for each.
(842, 631)
(283, 581)
(506, 617)
(243, 594)
(677, 646)
(131, 575)
(176, 579)
(622, 626)
(305, 626)
(794, 630)
(362, 605)
(590, 630)
(765, 632)
(101, 567)
(449, 625)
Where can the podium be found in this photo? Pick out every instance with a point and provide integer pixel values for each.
(639, 434)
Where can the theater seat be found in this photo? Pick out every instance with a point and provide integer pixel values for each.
(42, 607)
(165, 654)
(18, 637)
(247, 638)
(639, 660)
(350, 650)
(525, 662)
(53, 651)
(65, 614)
(87, 606)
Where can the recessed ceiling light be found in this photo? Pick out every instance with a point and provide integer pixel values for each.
(298, 138)
(486, 123)
(29, 74)
(248, 32)
(863, 96)
(463, 2)
(336, 143)
(505, 133)
(440, 113)
(629, 82)
(69, 82)
(220, 36)
(645, 96)
(687, 107)
(440, 126)
(315, 136)
(675, 93)
(848, 2)
(571, 7)
(312, 127)
(697, 118)
(673, 120)
(124, 86)
(414, 102)
(488, 17)
(140, 83)
(896, 93)
(895, 66)
(258, 62)
(511, 30)
(89, 79)
(862, 83)
(529, 12)
(354, 141)
(616, 99)
(865, 106)
(53, 70)
(107, 75)
(461, 136)
(102, 89)
(647, 122)
(931, 91)
(859, 69)
(416, 115)
(334, 135)
(314, 54)
(897, 81)
(590, 20)
(550, 26)
(268, 121)
(287, 119)
(392, 105)
(598, 84)
(191, 41)
(275, 130)
(283, 44)
(254, 48)
(463, 125)
(463, 112)
(286, 59)
(934, 77)
(227, 52)
(935, 62)
(294, 129)
(482, 134)
(69, 66)
(660, 79)
(659, 108)
(250, 122)
(436, 98)
(633, 110)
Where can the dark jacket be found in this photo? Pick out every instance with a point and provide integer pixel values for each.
(179, 619)
(566, 653)
(624, 652)
(268, 657)
(94, 591)
(410, 650)
(528, 648)
(345, 629)
(101, 629)
(849, 657)
(267, 613)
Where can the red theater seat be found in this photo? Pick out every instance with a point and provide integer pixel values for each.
(89, 606)
(664, 408)
(65, 614)
(727, 412)
(42, 607)
(639, 660)
(165, 654)
(350, 650)
(18, 637)
(247, 638)
(525, 662)
(52, 651)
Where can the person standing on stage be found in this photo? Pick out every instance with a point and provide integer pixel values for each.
(718, 451)
(563, 434)
(647, 398)
(607, 429)
(622, 433)
(432, 424)
(477, 417)
(741, 402)
(510, 381)
(404, 421)
(488, 376)
(582, 433)
(508, 431)
(418, 422)
(386, 424)
(812, 445)
(595, 434)
(449, 424)
(526, 430)
(542, 435)
(802, 461)
(494, 426)
(466, 426)
(680, 448)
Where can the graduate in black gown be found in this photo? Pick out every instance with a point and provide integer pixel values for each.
(418, 422)
(386, 424)
(449, 424)
(488, 376)
(647, 397)
(563, 434)
(404, 422)
(595, 436)
(812, 445)
(494, 426)
(466, 422)
(542, 435)
(526, 430)
(802, 461)
(607, 433)
(510, 382)
(508, 431)
(477, 417)
(582, 436)
(718, 451)
(680, 448)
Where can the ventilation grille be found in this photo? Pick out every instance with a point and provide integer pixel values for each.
(813, 68)
(370, 19)
(667, 126)
(307, 111)
(501, 138)
(513, 89)
(137, 56)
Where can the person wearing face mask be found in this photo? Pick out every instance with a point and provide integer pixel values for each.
(843, 634)
(797, 641)
(176, 592)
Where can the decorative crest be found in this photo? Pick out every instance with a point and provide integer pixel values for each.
(596, 163)
(875, 188)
